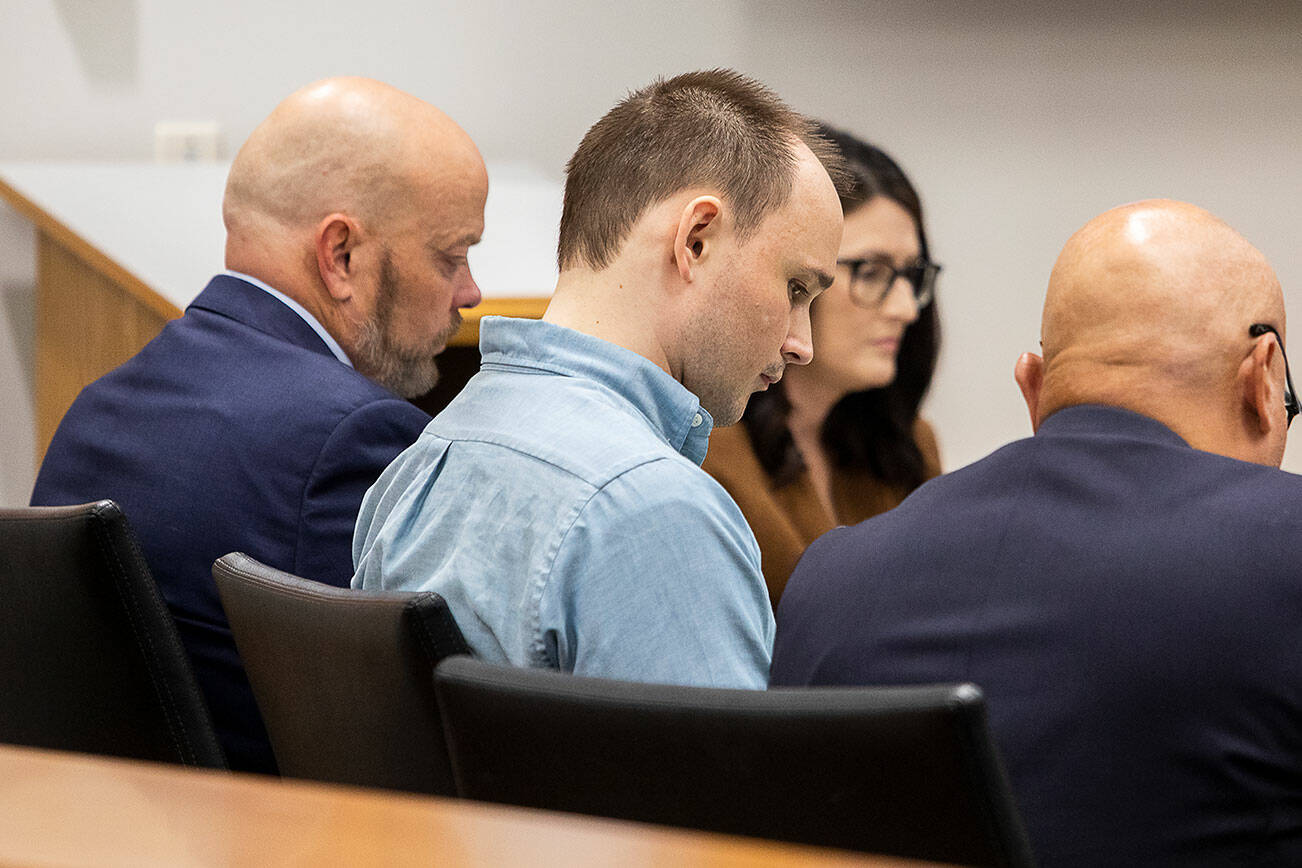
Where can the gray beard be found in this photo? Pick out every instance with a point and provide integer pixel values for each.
(407, 373)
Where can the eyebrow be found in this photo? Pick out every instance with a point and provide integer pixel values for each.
(823, 278)
(882, 256)
(468, 240)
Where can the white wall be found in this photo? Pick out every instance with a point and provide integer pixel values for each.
(524, 77)
(1018, 125)
(1017, 121)
(17, 350)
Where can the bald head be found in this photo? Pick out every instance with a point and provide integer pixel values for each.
(1149, 307)
(352, 145)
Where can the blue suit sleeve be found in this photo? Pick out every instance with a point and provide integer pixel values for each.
(352, 458)
(659, 581)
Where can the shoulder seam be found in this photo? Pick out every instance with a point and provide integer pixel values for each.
(618, 468)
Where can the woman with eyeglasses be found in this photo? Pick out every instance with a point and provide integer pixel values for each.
(839, 440)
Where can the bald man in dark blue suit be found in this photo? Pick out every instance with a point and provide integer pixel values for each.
(1124, 585)
(257, 420)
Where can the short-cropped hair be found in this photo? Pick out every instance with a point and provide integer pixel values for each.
(716, 129)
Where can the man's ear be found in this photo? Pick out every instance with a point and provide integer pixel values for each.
(1261, 396)
(698, 230)
(1029, 374)
(336, 236)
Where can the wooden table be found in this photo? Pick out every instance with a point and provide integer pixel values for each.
(73, 809)
(121, 249)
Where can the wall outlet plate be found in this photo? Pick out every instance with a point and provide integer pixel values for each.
(187, 142)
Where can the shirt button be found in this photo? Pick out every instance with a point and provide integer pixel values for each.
(697, 420)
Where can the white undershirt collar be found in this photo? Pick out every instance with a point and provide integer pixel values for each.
(298, 309)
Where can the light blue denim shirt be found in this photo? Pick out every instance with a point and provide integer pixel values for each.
(559, 507)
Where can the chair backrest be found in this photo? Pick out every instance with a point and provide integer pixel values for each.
(343, 678)
(89, 655)
(904, 771)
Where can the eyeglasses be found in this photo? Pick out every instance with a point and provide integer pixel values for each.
(871, 280)
(1291, 405)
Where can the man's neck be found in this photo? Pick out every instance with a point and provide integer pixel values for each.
(601, 304)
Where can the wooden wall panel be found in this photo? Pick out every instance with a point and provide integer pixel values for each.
(86, 325)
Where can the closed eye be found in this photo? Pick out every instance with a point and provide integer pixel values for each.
(452, 262)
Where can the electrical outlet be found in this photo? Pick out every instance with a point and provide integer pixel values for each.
(187, 142)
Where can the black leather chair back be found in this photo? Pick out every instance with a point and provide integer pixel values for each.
(89, 656)
(343, 678)
(904, 771)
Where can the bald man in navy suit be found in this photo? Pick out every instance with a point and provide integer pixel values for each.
(257, 420)
(1125, 584)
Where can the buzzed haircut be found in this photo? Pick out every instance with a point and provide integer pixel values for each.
(714, 128)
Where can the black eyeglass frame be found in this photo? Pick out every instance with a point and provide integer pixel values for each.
(1291, 405)
(921, 275)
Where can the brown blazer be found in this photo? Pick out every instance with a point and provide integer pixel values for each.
(787, 519)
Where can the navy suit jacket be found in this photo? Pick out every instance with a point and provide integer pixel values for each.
(1132, 608)
(234, 429)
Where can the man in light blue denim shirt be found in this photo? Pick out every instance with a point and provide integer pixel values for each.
(558, 503)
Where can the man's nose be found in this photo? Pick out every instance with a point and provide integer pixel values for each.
(468, 294)
(798, 348)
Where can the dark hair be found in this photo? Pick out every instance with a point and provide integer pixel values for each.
(870, 430)
(716, 128)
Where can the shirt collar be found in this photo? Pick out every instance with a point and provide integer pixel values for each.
(297, 308)
(668, 406)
